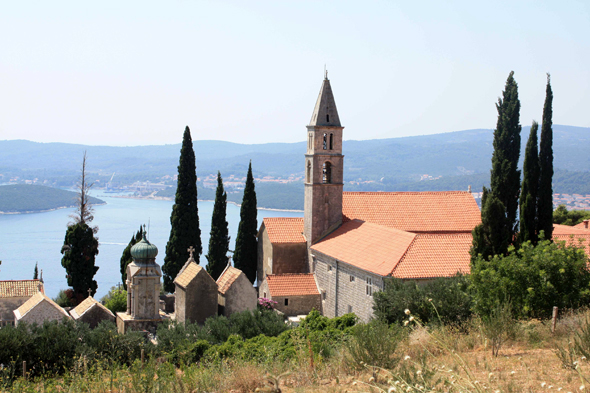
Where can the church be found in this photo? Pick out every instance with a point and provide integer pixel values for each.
(338, 255)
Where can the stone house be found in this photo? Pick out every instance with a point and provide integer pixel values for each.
(295, 293)
(235, 292)
(195, 295)
(38, 309)
(90, 311)
(13, 294)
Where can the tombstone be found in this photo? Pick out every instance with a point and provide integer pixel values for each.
(143, 290)
(196, 293)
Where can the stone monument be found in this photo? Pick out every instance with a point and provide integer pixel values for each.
(143, 290)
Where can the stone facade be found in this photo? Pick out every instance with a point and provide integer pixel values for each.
(7, 307)
(195, 295)
(39, 309)
(92, 312)
(236, 292)
(280, 258)
(294, 303)
(13, 294)
(345, 288)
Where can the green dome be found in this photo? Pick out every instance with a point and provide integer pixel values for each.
(144, 250)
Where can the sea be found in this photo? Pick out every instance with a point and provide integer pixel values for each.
(37, 238)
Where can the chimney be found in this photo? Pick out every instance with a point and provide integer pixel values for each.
(586, 224)
(469, 189)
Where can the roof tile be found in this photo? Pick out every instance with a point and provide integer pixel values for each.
(284, 229)
(292, 284)
(190, 271)
(34, 301)
(20, 288)
(86, 305)
(227, 278)
(446, 211)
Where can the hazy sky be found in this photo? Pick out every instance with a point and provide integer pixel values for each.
(135, 73)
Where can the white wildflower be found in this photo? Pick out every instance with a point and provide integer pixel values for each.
(582, 387)
(411, 319)
(418, 372)
(407, 311)
(391, 389)
(407, 357)
(406, 323)
(543, 384)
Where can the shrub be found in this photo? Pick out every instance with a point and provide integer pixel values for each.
(498, 326)
(375, 344)
(63, 298)
(444, 299)
(533, 279)
(115, 300)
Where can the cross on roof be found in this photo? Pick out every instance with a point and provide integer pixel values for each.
(190, 250)
(89, 292)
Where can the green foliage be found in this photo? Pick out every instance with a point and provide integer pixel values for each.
(445, 300)
(79, 252)
(36, 272)
(545, 203)
(530, 190)
(375, 344)
(126, 258)
(246, 252)
(63, 297)
(533, 279)
(572, 217)
(185, 231)
(115, 300)
(20, 198)
(498, 325)
(219, 238)
(499, 207)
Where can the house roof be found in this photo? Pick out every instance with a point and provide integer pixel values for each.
(284, 229)
(35, 300)
(446, 211)
(189, 272)
(20, 288)
(292, 284)
(435, 255)
(581, 226)
(227, 278)
(371, 247)
(86, 305)
(572, 235)
(559, 229)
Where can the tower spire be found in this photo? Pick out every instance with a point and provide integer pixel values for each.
(325, 112)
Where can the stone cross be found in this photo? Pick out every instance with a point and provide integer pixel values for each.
(89, 292)
(190, 250)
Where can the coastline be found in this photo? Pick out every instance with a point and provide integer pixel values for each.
(154, 198)
(45, 210)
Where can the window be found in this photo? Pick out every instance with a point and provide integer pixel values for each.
(369, 286)
(349, 308)
(286, 302)
(309, 142)
(331, 141)
(324, 295)
(327, 118)
(327, 173)
(264, 295)
(308, 172)
(325, 141)
(329, 268)
(351, 278)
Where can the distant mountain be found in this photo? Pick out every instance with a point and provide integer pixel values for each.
(24, 198)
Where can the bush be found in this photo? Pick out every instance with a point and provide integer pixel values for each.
(115, 300)
(64, 298)
(444, 299)
(533, 279)
(375, 344)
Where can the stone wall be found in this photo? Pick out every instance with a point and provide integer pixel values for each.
(44, 311)
(347, 288)
(281, 257)
(240, 296)
(7, 307)
(95, 315)
(198, 301)
(297, 305)
(264, 254)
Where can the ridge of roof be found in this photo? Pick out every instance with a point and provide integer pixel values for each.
(35, 300)
(191, 270)
(227, 278)
(86, 305)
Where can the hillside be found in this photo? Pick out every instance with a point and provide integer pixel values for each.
(24, 198)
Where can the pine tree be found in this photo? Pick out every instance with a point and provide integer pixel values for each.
(219, 239)
(545, 204)
(246, 253)
(530, 188)
(36, 272)
(499, 225)
(185, 231)
(80, 245)
(126, 258)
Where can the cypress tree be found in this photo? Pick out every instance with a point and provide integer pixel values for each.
(185, 231)
(36, 272)
(545, 204)
(246, 253)
(530, 188)
(219, 239)
(499, 225)
(126, 258)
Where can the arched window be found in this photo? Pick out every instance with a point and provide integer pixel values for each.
(331, 141)
(308, 178)
(325, 141)
(327, 173)
(328, 118)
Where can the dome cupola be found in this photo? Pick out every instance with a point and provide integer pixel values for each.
(144, 250)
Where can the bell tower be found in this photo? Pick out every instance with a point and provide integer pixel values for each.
(323, 168)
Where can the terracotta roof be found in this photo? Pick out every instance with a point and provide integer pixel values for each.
(227, 278)
(292, 284)
(34, 301)
(434, 255)
(569, 230)
(188, 274)
(86, 305)
(284, 229)
(446, 211)
(572, 236)
(581, 226)
(19, 288)
(368, 246)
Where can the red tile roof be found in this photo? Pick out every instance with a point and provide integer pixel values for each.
(284, 229)
(435, 255)
(446, 211)
(227, 278)
(20, 288)
(292, 284)
(582, 225)
(569, 230)
(368, 246)
(572, 235)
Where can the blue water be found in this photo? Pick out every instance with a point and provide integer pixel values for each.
(29, 238)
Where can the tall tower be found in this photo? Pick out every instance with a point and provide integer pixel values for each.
(323, 168)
